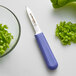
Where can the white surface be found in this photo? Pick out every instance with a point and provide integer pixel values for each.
(26, 59)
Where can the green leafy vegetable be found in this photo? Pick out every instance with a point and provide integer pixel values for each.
(60, 3)
(5, 39)
(66, 32)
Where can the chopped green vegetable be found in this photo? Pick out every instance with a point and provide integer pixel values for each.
(5, 39)
(66, 32)
(60, 3)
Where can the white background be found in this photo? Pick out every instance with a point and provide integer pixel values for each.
(26, 59)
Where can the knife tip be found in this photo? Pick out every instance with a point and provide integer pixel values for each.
(26, 7)
(28, 10)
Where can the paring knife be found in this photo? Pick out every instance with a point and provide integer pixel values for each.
(49, 58)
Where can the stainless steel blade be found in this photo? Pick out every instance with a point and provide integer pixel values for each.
(33, 21)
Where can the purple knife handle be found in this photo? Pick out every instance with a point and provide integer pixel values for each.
(46, 51)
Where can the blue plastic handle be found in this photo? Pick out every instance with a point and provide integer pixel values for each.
(46, 51)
